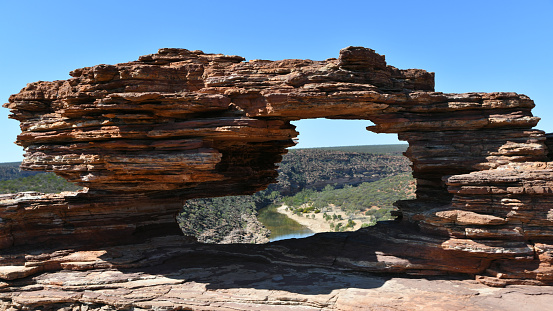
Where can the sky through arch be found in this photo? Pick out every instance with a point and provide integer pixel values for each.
(328, 132)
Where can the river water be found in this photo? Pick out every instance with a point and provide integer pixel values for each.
(280, 225)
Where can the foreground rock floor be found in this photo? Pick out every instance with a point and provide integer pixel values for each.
(257, 287)
(197, 281)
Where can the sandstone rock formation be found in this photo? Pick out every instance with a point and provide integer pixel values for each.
(241, 278)
(144, 136)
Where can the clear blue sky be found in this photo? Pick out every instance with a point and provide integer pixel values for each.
(483, 45)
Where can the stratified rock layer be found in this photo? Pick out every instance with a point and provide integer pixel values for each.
(243, 277)
(144, 136)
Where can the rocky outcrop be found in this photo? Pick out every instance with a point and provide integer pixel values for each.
(144, 136)
(180, 120)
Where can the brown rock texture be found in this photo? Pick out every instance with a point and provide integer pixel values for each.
(144, 136)
(145, 276)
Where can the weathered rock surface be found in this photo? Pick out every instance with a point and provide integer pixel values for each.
(165, 274)
(144, 136)
(178, 118)
(75, 219)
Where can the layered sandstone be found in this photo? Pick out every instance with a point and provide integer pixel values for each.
(144, 136)
(242, 277)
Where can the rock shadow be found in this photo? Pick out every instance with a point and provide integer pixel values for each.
(314, 265)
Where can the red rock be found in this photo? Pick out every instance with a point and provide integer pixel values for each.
(164, 273)
(146, 135)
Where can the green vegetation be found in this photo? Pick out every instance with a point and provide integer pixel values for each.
(202, 214)
(13, 179)
(41, 182)
(11, 170)
(382, 194)
(212, 219)
(367, 203)
(317, 168)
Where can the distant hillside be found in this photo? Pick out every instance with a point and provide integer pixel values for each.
(315, 168)
(397, 148)
(9, 163)
(40, 182)
(11, 170)
(13, 180)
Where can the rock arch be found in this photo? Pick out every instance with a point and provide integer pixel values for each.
(143, 136)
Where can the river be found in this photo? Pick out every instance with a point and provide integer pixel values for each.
(281, 226)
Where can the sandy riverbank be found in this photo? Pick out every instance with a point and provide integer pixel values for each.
(319, 224)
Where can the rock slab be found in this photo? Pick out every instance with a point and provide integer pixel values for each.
(215, 277)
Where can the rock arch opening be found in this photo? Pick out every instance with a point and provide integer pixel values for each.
(325, 189)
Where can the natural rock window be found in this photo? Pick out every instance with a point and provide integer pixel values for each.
(147, 135)
(330, 189)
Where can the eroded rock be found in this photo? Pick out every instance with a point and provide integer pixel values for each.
(144, 136)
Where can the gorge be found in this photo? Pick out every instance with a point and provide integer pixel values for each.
(145, 136)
